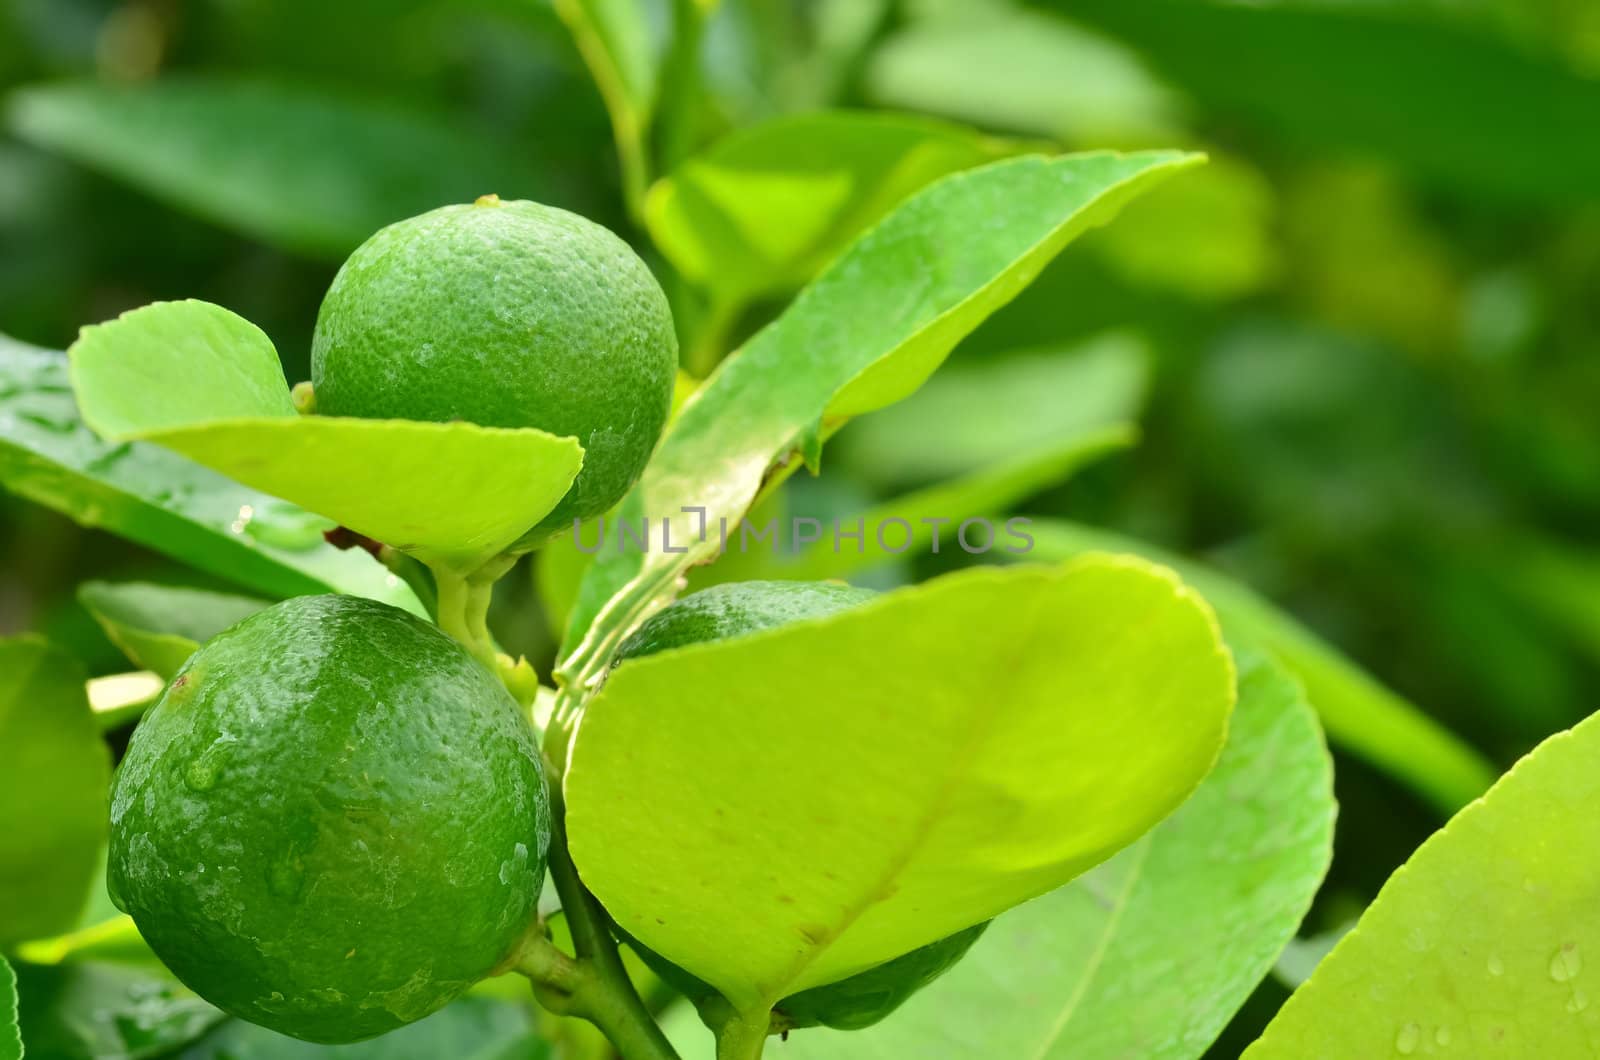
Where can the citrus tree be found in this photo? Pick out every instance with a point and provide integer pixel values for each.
(1074, 802)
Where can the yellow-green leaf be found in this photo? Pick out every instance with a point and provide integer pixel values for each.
(1150, 954)
(771, 824)
(1485, 943)
(206, 383)
(1360, 714)
(161, 500)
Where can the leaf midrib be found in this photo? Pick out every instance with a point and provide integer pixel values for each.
(1102, 948)
(965, 753)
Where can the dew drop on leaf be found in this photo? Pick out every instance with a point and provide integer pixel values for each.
(1496, 965)
(1566, 962)
(1405, 1043)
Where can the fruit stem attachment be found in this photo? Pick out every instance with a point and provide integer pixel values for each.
(743, 1037)
(463, 606)
(594, 985)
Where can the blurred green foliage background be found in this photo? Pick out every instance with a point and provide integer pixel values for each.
(1363, 344)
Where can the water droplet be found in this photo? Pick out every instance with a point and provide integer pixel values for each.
(1405, 1043)
(203, 772)
(286, 878)
(1441, 1035)
(281, 525)
(1496, 965)
(201, 776)
(1566, 962)
(1578, 1001)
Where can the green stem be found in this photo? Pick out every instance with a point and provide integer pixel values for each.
(594, 985)
(605, 996)
(462, 606)
(458, 598)
(743, 1037)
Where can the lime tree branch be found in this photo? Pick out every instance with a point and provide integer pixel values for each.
(594, 985)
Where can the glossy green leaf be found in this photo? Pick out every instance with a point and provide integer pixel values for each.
(161, 500)
(864, 334)
(207, 383)
(159, 626)
(971, 743)
(1150, 954)
(10, 1037)
(1484, 944)
(99, 1011)
(1449, 104)
(308, 171)
(1360, 715)
(763, 210)
(473, 1028)
(977, 413)
(55, 775)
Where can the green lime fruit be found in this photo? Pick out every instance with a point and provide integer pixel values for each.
(869, 996)
(738, 609)
(333, 822)
(505, 314)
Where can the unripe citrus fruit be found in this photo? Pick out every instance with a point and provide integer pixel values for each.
(505, 314)
(737, 609)
(333, 822)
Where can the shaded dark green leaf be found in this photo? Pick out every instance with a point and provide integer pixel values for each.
(1460, 109)
(95, 1011)
(159, 626)
(309, 172)
(473, 1028)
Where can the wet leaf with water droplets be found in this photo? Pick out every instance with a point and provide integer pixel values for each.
(1503, 896)
(156, 497)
